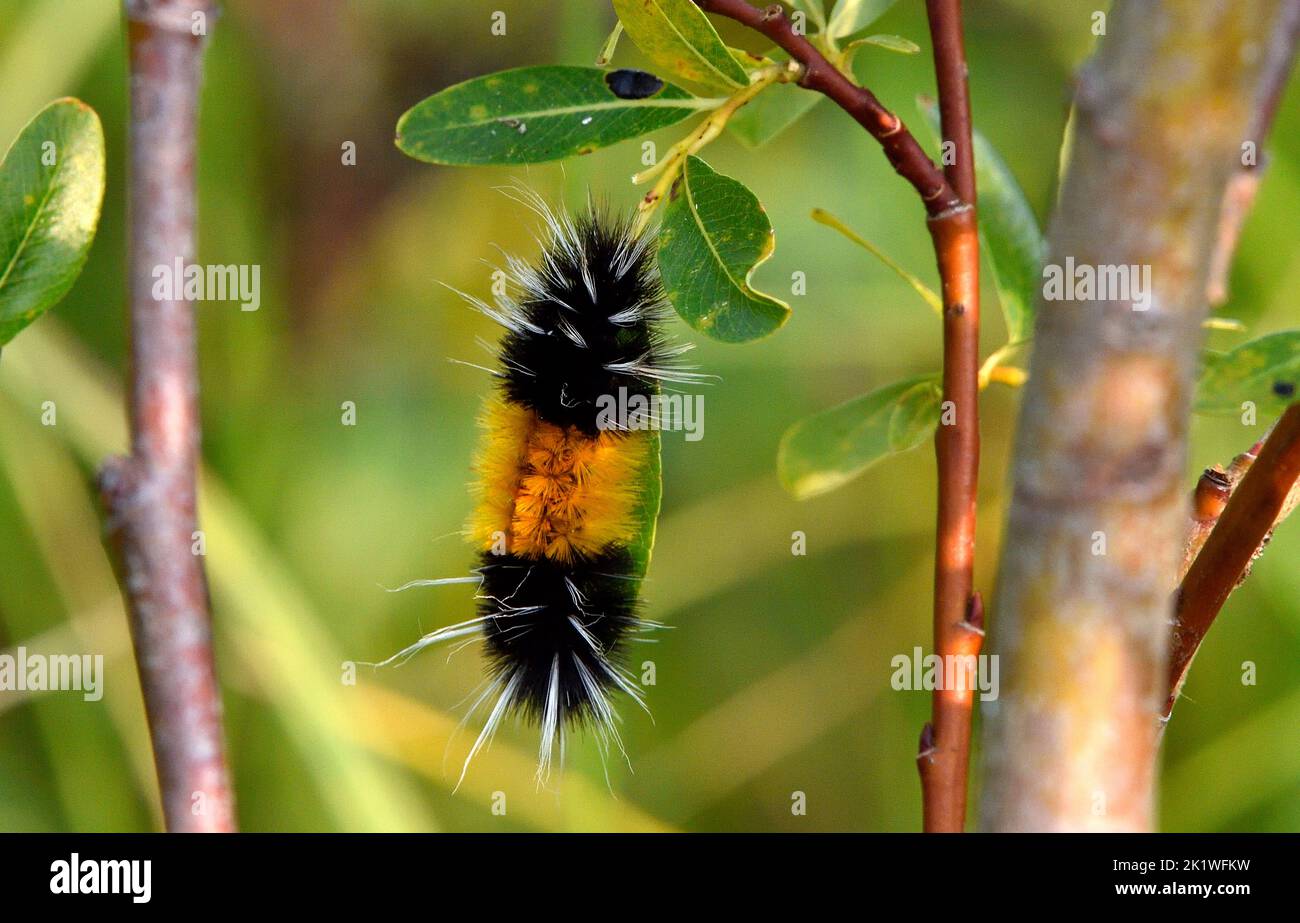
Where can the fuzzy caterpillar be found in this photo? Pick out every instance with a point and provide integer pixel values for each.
(566, 503)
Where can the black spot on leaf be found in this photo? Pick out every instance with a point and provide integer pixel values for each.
(1284, 388)
(627, 83)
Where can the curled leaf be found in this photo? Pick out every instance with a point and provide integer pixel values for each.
(714, 235)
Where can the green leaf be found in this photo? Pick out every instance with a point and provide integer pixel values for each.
(915, 415)
(749, 60)
(51, 188)
(822, 216)
(606, 53)
(1265, 371)
(852, 15)
(714, 234)
(676, 35)
(831, 448)
(772, 111)
(647, 514)
(536, 114)
(888, 42)
(1009, 231)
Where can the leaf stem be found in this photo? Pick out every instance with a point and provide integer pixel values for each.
(669, 166)
(821, 216)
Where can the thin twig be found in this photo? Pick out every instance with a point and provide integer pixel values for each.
(902, 149)
(1098, 515)
(949, 199)
(150, 495)
(1266, 494)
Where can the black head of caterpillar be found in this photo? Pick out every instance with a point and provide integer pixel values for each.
(560, 490)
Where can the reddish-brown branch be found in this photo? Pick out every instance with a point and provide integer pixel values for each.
(1261, 498)
(958, 612)
(954, 94)
(150, 494)
(949, 199)
(900, 147)
(957, 448)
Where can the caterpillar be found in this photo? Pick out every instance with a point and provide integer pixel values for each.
(566, 499)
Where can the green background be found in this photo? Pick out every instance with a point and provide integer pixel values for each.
(775, 677)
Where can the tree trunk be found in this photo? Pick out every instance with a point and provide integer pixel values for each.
(1099, 505)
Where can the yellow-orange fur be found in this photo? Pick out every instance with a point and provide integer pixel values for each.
(554, 491)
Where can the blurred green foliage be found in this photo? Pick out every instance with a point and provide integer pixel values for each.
(775, 678)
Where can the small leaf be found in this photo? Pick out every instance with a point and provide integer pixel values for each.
(1265, 371)
(48, 210)
(647, 513)
(821, 216)
(676, 35)
(536, 114)
(915, 415)
(815, 10)
(611, 43)
(714, 234)
(1223, 323)
(831, 448)
(852, 15)
(888, 42)
(772, 111)
(1010, 233)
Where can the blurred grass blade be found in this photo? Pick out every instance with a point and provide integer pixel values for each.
(831, 448)
(1265, 371)
(714, 235)
(1010, 233)
(30, 74)
(821, 216)
(851, 15)
(412, 734)
(51, 188)
(539, 114)
(261, 610)
(677, 36)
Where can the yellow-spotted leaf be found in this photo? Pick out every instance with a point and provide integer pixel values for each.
(714, 235)
(51, 188)
(537, 114)
(1264, 372)
(678, 37)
